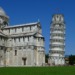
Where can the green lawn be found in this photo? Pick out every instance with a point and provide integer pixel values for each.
(37, 70)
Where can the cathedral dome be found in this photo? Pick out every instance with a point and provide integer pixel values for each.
(2, 13)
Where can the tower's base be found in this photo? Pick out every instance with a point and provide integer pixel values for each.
(56, 61)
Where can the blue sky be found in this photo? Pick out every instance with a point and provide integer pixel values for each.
(26, 11)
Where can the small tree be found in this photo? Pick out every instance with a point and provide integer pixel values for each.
(72, 59)
(46, 58)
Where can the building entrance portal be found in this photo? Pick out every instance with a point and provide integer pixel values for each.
(24, 60)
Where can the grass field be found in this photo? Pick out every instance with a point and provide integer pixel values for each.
(37, 70)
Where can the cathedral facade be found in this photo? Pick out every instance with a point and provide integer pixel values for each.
(21, 45)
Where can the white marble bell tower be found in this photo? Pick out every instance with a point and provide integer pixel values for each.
(57, 40)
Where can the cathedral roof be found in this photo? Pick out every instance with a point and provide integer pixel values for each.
(22, 25)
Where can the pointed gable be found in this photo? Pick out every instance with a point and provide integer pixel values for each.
(38, 35)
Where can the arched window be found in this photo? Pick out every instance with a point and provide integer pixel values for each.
(15, 52)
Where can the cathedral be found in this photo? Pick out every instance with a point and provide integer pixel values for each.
(21, 45)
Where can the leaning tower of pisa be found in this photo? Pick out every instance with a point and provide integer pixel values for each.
(57, 40)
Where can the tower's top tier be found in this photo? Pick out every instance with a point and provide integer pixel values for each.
(58, 18)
